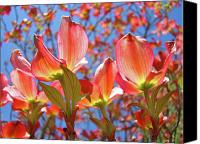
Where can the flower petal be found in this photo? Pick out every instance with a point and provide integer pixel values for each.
(44, 65)
(105, 77)
(134, 58)
(92, 99)
(3, 81)
(14, 129)
(143, 119)
(96, 95)
(18, 61)
(72, 42)
(42, 97)
(86, 87)
(25, 83)
(80, 64)
(128, 86)
(4, 97)
(13, 92)
(116, 91)
(19, 105)
(157, 78)
(53, 110)
(84, 103)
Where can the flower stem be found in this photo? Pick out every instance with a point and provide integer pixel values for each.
(111, 128)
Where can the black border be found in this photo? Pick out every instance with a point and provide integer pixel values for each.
(190, 71)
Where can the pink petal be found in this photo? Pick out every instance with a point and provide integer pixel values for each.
(84, 103)
(25, 83)
(13, 129)
(95, 97)
(96, 94)
(18, 104)
(42, 97)
(128, 86)
(157, 78)
(18, 61)
(105, 77)
(4, 98)
(86, 87)
(134, 58)
(44, 65)
(3, 81)
(14, 93)
(116, 91)
(72, 42)
(80, 64)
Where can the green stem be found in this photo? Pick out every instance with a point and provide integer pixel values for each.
(103, 111)
(70, 133)
(66, 96)
(155, 131)
(154, 120)
(111, 135)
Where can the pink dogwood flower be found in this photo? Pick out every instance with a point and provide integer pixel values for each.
(72, 46)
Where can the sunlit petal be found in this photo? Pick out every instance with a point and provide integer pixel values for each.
(105, 77)
(18, 61)
(116, 91)
(14, 129)
(44, 65)
(134, 58)
(80, 64)
(72, 42)
(25, 83)
(157, 78)
(4, 97)
(128, 86)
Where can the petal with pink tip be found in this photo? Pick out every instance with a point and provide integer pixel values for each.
(25, 83)
(134, 58)
(105, 77)
(18, 61)
(72, 42)
(44, 65)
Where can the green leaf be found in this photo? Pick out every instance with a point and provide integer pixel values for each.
(152, 100)
(162, 102)
(150, 105)
(54, 96)
(71, 87)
